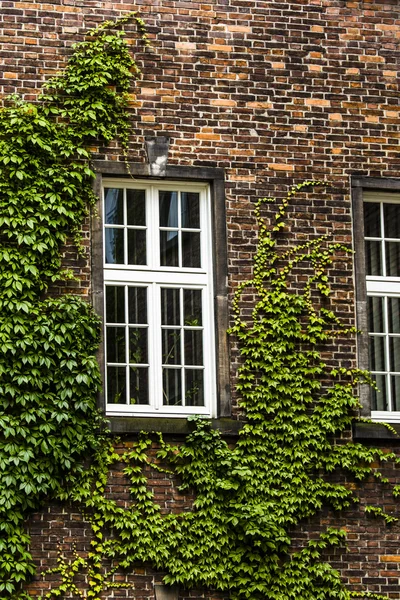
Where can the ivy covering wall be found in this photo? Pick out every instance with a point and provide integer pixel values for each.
(49, 376)
(248, 498)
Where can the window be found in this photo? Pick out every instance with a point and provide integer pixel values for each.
(382, 271)
(158, 298)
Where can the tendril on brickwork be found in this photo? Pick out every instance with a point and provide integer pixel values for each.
(49, 376)
(237, 538)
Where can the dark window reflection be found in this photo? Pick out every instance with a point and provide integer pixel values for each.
(379, 398)
(138, 385)
(191, 249)
(169, 252)
(171, 346)
(136, 246)
(395, 382)
(377, 353)
(137, 304)
(392, 220)
(193, 347)
(170, 306)
(190, 207)
(372, 219)
(194, 388)
(168, 209)
(394, 315)
(115, 344)
(114, 206)
(392, 259)
(373, 259)
(116, 385)
(114, 242)
(394, 350)
(172, 392)
(115, 304)
(192, 308)
(375, 314)
(138, 345)
(136, 207)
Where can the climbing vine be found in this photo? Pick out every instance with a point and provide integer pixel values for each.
(248, 499)
(49, 376)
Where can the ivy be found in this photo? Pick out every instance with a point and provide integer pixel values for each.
(249, 498)
(238, 537)
(49, 378)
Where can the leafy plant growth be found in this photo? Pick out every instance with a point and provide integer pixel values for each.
(249, 498)
(49, 377)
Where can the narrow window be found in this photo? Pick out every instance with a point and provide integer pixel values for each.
(382, 267)
(158, 278)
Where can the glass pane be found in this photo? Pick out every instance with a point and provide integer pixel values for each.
(191, 249)
(392, 220)
(114, 245)
(138, 385)
(113, 206)
(192, 307)
(373, 261)
(136, 207)
(116, 385)
(394, 315)
(190, 208)
(171, 346)
(168, 209)
(194, 394)
(379, 401)
(394, 350)
(377, 353)
(115, 344)
(395, 382)
(137, 304)
(170, 306)
(115, 304)
(392, 259)
(138, 345)
(372, 219)
(172, 394)
(375, 314)
(169, 254)
(136, 246)
(193, 347)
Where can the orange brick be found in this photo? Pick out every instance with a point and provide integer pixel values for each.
(239, 29)
(219, 48)
(277, 65)
(317, 28)
(9, 75)
(148, 118)
(315, 67)
(280, 167)
(207, 136)
(389, 558)
(222, 102)
(317, 102)
(335, 116)
(372, 59)
(390, 73)
(259, 105)
(352, 71)
(185, 45)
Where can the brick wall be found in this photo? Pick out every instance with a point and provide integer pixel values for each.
(273, 92)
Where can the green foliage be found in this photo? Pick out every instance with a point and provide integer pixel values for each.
(248, 499)
(49, 378)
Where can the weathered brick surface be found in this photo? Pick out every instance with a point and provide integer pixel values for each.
(273, 92)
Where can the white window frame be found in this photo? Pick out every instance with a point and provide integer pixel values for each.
(155, 277)
(383, 287)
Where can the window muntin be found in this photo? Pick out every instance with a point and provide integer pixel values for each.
(159, 332)
(382, 256)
